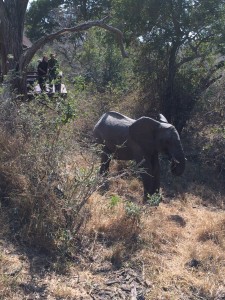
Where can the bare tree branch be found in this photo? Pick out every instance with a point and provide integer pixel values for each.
(209, 79)
(29, 53)
(188, 59)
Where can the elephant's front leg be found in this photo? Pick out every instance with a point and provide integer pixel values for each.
(105, 161)
(155, 172)
(104, 169)
(150, 174)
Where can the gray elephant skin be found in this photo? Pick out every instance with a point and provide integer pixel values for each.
(140, 140)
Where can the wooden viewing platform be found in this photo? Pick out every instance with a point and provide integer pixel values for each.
(33, 88)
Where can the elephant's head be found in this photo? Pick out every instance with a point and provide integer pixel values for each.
(159, 136)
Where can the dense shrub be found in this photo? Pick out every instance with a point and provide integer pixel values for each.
(45, 180)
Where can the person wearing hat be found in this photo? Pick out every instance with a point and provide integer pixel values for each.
(53, 68)
(42, 71)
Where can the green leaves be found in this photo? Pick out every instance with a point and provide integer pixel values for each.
(114, 200)
(38, 19)
(155, 199)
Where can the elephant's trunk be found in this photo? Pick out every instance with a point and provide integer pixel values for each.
(178, 162)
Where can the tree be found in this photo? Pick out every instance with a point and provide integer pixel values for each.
(14, 58)
(39, 21)
(173, 35)
(40, 18)
(12, 15)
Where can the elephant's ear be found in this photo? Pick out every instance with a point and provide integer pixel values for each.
(143, 132)
(162, 119)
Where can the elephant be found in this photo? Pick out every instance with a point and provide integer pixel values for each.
(141, 140)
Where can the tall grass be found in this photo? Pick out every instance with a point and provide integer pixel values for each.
(45, 178)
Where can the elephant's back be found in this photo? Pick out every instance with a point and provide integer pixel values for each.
(113, 118)
(114, 127)
(117, 116)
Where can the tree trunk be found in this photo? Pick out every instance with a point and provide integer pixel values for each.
(4, 64)
(168, 103)
(15, 59)
(12, 15)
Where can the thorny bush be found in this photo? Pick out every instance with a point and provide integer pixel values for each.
(45, 178)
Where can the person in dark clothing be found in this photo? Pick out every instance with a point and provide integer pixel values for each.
(42, 73)
(53, 67)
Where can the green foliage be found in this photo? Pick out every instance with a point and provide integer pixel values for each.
(38, 19)
(79, 83)
(176, 44)
(44, 16)
(68, 112)
(102, 62)
(155, 199)
(212, 153)
(114, 201)
(132, 210)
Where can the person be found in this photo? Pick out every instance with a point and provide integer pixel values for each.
(42, 71)
(53, 68)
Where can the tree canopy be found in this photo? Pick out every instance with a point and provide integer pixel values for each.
(177, 46)
(16, 59)
(180, 43)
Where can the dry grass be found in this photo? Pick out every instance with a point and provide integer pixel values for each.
(48, 187)
(164, 248)
(112, 222)
(66, 290)
(42, 191)
(179, 245)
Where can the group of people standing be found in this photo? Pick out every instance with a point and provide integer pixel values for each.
(48, 70)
